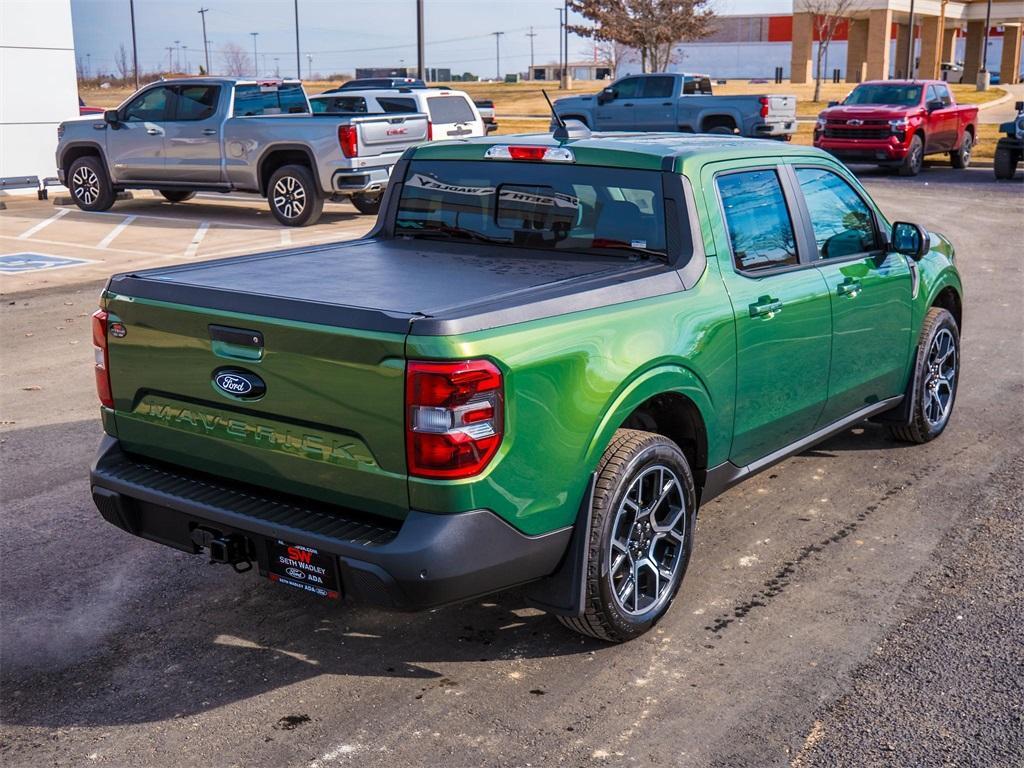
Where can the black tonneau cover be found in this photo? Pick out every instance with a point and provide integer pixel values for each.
(403, 285)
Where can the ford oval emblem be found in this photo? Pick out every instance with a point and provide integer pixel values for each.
(239, 383)
(295, 573)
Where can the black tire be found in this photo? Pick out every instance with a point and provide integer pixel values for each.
(176, 195)
(294, 196)
(366, 203)
(960, 158)
(722, 129)
(1005, 165)
(89, 184)
(632, 457)
(927, 421)
(912, 163)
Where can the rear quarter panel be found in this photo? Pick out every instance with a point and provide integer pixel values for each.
(571, 381)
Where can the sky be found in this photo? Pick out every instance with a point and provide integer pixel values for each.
(339, 35)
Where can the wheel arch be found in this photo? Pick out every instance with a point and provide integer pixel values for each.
(79, 149)
(279, 155)
(669, 400)
(725, 119)
(948, 297)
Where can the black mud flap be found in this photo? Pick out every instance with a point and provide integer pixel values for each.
(563, 592)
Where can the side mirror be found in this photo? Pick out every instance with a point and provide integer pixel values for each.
(110, 117)
(1019, 106)
(909, 239)
(833, 103)
(934, 104)
(608, 94)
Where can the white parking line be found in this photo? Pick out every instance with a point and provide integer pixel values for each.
(106, 241)
(43, 224)
(286, 237)
(197, 238)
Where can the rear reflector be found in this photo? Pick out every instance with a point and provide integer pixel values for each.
(99, 344)
(454, 417)
(524, 152)
(348, 138)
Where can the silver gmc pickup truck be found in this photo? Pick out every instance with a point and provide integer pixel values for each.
(226, 135)
(681, 102)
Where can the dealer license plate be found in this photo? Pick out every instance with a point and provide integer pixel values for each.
(303, 568)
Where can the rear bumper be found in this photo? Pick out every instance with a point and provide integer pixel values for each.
(361, 180)
(424, 561)
(780, 129)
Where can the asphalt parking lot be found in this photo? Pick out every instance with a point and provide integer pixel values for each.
(857, 605)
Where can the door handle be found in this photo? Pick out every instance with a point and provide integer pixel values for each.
(666, 103)
(209, 131)
(849, 287)
(766, 307)
(628, 104)
(153, 131)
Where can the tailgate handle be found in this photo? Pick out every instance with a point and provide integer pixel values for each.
(236, 343)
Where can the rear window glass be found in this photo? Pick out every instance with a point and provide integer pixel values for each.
(449, 109)
(547, 206)
(197, 102)
(253, 100)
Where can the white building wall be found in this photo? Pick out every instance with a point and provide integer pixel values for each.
(38, 88)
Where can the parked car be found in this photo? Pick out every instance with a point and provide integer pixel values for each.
(1010, 147)
(680, 102)
(227, 135)
(84, 110)
(452, 114)
(379, 82)
(952, 72)
(546, 355)
(486, 109)
(898, 123)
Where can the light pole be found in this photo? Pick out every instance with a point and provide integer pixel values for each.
(531, 34)
(309, 65)
(135, 47)
(206, 43)
(188, 69)
(497, 54)
(298, 58)
(910, 44)
(255, 61)
(565, 45)
(177, 55)
(983, 76)
(421, 69)
(561, 24)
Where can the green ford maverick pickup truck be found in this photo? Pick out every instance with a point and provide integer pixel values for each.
(548, 353)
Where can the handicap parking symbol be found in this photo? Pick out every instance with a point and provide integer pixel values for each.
(33, 262)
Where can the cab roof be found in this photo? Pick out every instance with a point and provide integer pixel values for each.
(650, 151)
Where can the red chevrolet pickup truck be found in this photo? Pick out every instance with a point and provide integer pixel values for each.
(898, 122)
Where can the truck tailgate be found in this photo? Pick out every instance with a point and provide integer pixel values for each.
(385, 134)
(781, 108)
(330, 425)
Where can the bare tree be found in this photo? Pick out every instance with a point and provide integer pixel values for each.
(653, 27)
(828, 15)
(122, 64)
(236, 61)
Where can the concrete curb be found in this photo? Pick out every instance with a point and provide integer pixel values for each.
(995, 102)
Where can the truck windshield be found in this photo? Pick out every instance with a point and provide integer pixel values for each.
(897, 95)
(550, 206)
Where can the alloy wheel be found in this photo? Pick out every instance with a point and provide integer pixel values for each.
(289, 197)
(940, 380)
(85, 185)
(648, 539)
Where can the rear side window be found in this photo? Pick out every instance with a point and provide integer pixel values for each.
(339, 104)
(254, 100)
(449, 109)
(692, 85)
(394, 104)
(842, 222)
(153, 106)
(756, 215)
(659, 87)
(197, 102)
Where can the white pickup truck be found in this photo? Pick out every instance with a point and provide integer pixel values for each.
(226, 135)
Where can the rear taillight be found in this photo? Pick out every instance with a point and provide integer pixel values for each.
(454, 417)
(430, 131)
(99, 343)
(764, 106)
(348, 138)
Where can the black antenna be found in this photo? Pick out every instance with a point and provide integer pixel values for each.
(561, 132)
